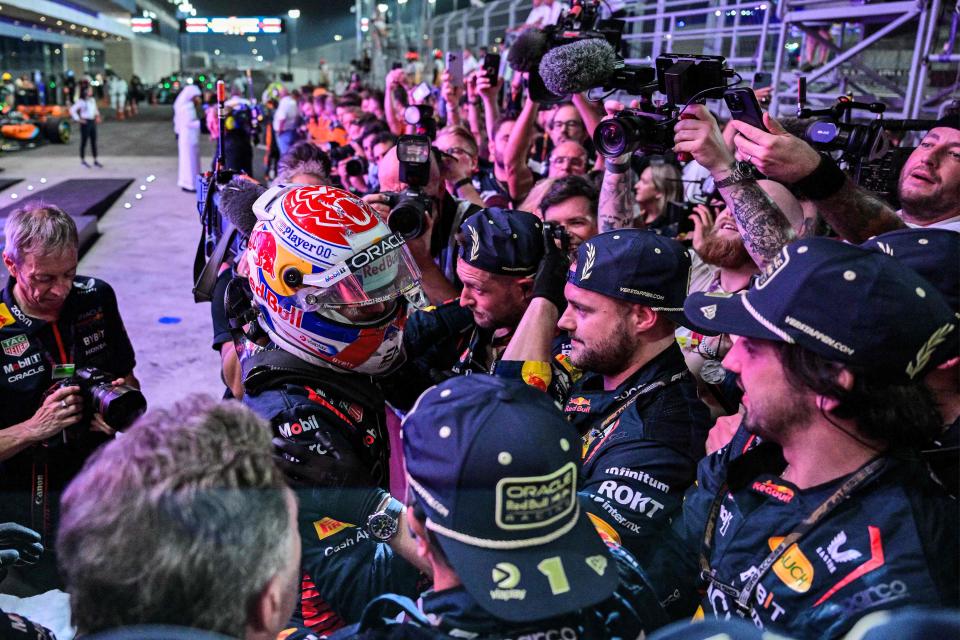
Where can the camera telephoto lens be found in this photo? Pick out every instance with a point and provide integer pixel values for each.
(622, 134)
(408, 219)
(120, 406)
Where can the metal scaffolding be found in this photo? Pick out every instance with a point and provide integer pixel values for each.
(884, 50)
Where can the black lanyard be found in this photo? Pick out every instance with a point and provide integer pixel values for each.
(742, 596)
(606, 426)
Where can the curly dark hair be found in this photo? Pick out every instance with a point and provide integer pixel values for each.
(903, 415)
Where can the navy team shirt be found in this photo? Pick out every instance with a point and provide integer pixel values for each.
(89, 333)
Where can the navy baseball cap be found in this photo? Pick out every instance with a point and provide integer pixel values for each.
(637, 266)
(495, 467)
(843, 302)
(713, 629)
(933, 253)
(503, 241)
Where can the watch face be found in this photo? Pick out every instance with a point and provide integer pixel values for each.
(382, 526)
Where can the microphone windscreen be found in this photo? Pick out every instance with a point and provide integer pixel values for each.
(236, 203)
(578, 66)
(526, 51)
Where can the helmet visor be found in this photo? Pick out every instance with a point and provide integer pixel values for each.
(382, 272)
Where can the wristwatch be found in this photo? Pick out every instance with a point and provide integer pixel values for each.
(384, 523)
(740, 172)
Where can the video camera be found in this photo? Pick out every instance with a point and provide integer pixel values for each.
(683, 79)
(580, 47)
(409, 208)
(218, 239)
(868, 152)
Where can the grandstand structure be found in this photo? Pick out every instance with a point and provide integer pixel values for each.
(901, 53)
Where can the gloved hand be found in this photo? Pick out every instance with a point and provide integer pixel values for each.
(551, 275)
(331, 484)
(18, 545)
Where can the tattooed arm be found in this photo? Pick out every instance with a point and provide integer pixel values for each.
(854, 213)
(764, 228)
(615, 210)
(857, 214)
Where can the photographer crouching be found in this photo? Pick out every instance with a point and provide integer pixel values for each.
(67, 381)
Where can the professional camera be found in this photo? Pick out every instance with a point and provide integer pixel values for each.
(119, 405)
(867, 151)
(632, 129)
(355, 166)
(421, 117)
(409, 209)
(579, 48)
(557, 233)
(683, 79)
(408, 212)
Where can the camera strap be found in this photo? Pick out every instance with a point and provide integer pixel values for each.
(207, 280)
(742, 596)
(40, 519)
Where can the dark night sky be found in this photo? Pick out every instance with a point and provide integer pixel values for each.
(319, 19)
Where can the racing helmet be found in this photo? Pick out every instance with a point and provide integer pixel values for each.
(329, 278)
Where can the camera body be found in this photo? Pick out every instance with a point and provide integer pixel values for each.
(558, 233)
(408, 212)
(119, 405)
(683, 78)
(633, 130)
(355, 166)
(868, 152)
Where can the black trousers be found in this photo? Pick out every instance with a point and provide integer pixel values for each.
(88, 131)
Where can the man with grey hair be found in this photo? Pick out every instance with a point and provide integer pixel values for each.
(53, 322)
(198, 534)
(304, 163)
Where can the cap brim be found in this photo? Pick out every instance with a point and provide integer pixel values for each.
(680, 318)
(716, 313)
(534, 583)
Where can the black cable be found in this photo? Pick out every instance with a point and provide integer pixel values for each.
(844, 431)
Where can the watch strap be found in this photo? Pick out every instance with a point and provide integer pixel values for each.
(826, 180)
(390, 508)
(742, 172)
(616, 168)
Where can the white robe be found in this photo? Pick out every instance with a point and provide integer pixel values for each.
(187, 126)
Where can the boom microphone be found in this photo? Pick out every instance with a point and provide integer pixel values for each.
(584, 64)
(527, 50)
(236, 203)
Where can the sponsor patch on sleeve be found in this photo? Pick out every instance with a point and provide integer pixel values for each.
(536, 374)
(607, 533)
(327, 527)
(6, 318)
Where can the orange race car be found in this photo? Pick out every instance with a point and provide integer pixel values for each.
(30, 126)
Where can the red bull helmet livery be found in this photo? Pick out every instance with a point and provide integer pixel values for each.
(330, 278)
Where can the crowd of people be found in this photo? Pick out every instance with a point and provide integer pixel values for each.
(628, 398)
